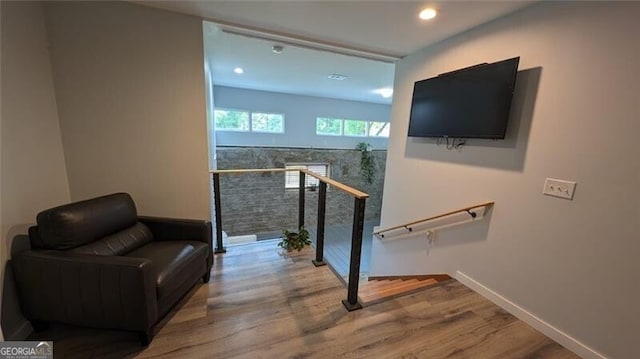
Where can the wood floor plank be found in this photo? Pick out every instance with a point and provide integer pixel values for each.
(261, 304)
(371, 286)
(374, 292)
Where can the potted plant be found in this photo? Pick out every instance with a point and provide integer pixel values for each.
(367, 162)
(295, 240)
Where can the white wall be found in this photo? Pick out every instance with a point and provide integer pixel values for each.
(211, 137)
(208, 49)
(129, 83)
(573, 263)
(300, 114)
(33, 169)
(2, 251)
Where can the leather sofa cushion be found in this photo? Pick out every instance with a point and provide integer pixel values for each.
(78, 223)
(173, 261)
(119, 243)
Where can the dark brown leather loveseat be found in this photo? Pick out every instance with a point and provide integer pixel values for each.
(96, 263)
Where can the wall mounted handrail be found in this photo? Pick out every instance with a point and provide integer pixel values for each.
(408, 225)
(351, 303)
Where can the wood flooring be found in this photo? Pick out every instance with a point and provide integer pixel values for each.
(260, 304)
(376, 291)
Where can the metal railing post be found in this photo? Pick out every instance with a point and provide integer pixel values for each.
(301, 200)
(322, 199)
(216, 199)
(351, 303)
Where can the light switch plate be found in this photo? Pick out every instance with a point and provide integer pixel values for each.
(559, 188)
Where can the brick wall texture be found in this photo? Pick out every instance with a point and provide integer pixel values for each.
(259, 204)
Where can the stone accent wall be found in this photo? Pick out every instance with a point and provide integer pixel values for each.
(259, 204)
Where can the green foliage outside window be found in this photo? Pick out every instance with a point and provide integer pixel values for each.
(245, 121)
(328, 126)
(267, 122)
(355, 128)
(231, 120)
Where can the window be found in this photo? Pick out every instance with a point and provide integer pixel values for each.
(328, 126)
(355, 128)
(231, 120)
(378, 129)
(292, 178)
(267, 122)
(245, 121)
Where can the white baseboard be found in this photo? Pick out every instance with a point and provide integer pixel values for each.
(545, 328)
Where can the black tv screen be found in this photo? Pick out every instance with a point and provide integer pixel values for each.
(470, 103)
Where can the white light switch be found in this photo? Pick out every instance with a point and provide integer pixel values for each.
(559, 188)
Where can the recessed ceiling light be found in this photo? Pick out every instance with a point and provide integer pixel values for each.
(428, 14)
(238, 70)
(337, 77)
(385, 92)
(277, 49)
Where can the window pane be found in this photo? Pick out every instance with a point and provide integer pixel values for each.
(379, 129)
(267, 122)
(328, 126)
(320, 169)
(292, 178)
(355, 128)
(230, 120)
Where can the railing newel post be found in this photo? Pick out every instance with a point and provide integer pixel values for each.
(322, 199)
(301, 200)
(351, 303)
(216, 199)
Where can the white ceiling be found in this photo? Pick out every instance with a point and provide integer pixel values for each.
(296, 70)
(389, 28)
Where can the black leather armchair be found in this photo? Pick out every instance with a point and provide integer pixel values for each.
(95, 263)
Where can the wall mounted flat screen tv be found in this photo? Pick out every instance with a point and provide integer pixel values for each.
(473, 102)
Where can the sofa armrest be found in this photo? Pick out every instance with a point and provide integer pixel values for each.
(174, 229)
(87, 290)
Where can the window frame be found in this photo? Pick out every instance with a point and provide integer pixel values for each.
(343, 126)
(231, 110)
(366, 127)
(309, 180)
(330, 134)
(386, 123)
(250, 115)
(266, 113)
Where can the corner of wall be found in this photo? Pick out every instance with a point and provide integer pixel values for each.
(33, 171)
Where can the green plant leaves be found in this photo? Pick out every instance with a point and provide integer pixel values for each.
(295, 240)
(368, 166)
